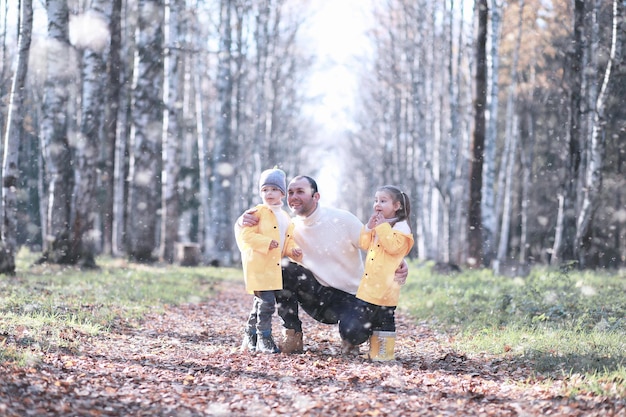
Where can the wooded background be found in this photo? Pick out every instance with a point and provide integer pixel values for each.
(132, 125)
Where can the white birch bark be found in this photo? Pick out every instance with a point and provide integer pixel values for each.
(563, 248)
(123, 131)
(110, 127)
(172, 135)
(84, 234)
(489, 174)
(15, 117)
(527, 145)
(503, 204)
(221, 247)
(147, 114)
(262, 40)
(203, 180)
(596, 150)
(508, 165)
(54, 134)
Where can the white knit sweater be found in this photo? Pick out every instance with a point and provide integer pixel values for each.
(329, 239)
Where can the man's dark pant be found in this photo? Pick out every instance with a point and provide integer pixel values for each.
(325, 304)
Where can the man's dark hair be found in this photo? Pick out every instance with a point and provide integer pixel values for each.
(311, 181)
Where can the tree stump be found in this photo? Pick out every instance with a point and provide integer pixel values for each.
(188, 254)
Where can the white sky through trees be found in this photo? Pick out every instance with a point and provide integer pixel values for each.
(336, 32)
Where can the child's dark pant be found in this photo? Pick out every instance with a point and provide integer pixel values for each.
(260, 317)
(383, 317)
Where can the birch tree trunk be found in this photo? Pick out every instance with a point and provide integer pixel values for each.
(84, 235)
(124, 131)
(488, 209)
(261, 37)
(453, 198)
(503, 204)
(147, 114)
(172, 134)
(54, 135)
(478, 141)
(223, 158)
(527, 145)
(596, 152)
(113, 95)
(10, 166)
(204, 213)
(507, 166)
(563, 249)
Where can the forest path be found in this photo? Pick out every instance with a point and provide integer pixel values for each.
(186, 362)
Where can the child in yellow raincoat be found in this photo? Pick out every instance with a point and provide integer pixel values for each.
(262, 249)
(388, 239)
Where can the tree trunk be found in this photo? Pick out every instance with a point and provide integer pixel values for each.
(224, 151)
(172, 134)
(451, 199)
(503, 203)
(477, 149)
(14, 132)
(124, 131)
(527, 145)
(508, 166)
(84, 236)
(488, 209)
(261, 37)
(204, 214)
(595, 161)
(110, 127)
(563, 249)
(145, 162)
(54, 133)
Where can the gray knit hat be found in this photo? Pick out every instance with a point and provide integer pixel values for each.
(275, 177)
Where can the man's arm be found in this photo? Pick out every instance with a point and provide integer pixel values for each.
(248, 218)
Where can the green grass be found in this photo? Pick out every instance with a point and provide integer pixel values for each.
(44, 307)
(568, 325)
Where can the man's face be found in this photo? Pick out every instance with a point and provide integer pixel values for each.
(300, 197)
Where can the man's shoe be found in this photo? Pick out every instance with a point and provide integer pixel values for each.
(249, 342)
(348, 349)
(292, 342)
(265, 344)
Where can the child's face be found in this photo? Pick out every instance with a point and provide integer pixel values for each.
(271, 195)
(384, 205)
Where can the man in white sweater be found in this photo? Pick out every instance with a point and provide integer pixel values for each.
(325, 284)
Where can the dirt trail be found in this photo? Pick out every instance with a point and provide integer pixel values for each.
(185, 362)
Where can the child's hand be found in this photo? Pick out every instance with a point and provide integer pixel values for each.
(296, 252)
(374, 221)
(273, 244)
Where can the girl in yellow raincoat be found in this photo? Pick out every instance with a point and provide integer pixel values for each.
(388, 239)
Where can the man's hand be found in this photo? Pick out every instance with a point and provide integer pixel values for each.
(401, 273)
(249, 218)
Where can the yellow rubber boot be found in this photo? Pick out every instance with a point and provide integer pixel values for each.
(382, 346)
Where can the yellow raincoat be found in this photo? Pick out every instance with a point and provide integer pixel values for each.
(262, 267)
(386, 247)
